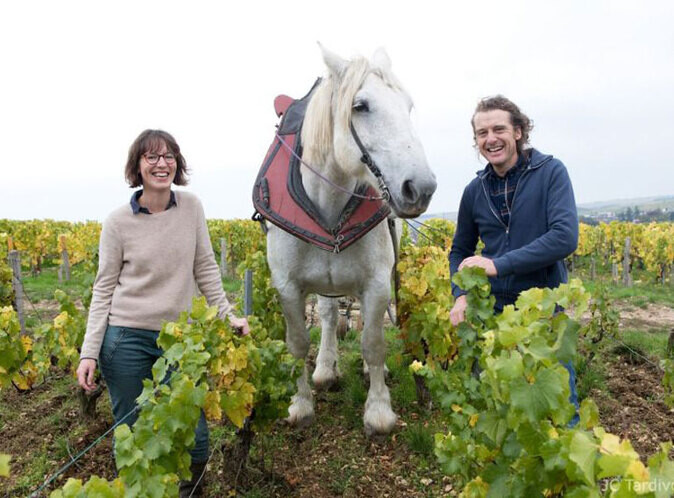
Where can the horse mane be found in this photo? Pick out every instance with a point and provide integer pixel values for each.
(319, 121)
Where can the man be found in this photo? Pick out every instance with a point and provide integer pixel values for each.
(521, 205)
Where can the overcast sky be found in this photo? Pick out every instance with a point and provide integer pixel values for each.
(80, 80)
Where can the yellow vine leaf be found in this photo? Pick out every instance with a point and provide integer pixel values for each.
(4, 465)
(416, 366)
(27, 343)
(637, 470)
(61, 320)
(238, 357)
(212, 405)
(238, 404)
(21, 382)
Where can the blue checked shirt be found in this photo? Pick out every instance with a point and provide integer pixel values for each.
(502, 190)
(137, 208)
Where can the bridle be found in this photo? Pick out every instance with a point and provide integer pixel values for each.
(371, 165)
(365, 159)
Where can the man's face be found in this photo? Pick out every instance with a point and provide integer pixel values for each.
(496, 138)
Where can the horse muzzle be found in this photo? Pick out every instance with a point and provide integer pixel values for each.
(413, 196)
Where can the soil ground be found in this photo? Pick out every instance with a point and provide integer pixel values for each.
(651, 316)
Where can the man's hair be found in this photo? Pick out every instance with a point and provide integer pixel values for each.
(152, 141)
(517, 118)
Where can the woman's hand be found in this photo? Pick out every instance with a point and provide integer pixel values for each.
(240, 324)
(85, 374)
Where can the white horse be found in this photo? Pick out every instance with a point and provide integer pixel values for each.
(366, 95)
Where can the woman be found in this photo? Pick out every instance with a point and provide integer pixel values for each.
(154, 253)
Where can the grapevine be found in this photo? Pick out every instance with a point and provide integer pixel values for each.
(14, 348)
(266, 301)
(205, 365)
(508, 433)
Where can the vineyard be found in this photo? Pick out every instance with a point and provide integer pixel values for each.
(483, 407)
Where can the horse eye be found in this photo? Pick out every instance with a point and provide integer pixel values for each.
(361, 106)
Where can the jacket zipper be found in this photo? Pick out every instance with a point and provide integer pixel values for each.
(491, 208)
(514, 194)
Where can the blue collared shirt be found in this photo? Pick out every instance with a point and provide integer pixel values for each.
(137, 208)
(502, 189)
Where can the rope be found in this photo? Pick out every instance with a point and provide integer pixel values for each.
(39, 317)
(338, 187)
(443, 232)
(636, 353)
(98, 441)
(432, 241)
(203, 472)
(81, 454)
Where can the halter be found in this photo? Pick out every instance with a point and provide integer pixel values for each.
(369, 162)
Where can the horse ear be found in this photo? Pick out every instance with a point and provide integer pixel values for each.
(381, 59)
(335, 63)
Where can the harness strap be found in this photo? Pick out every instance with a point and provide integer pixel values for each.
(396, 273)
(369, 162)
(384, 195)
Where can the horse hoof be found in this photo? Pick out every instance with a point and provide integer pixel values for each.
(326, 379)
(301, 414)
(379, 420)
(300, 423)
(331, 385)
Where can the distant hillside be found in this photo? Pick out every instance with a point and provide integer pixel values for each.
(618, 205)
(605, 210)
(451, 216)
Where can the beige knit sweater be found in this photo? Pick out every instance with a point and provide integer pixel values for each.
(150, 267)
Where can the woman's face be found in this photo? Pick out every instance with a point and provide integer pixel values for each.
(158, 168)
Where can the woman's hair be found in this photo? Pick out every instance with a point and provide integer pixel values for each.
(152, 141)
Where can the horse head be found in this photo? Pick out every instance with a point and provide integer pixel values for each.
(361, 114)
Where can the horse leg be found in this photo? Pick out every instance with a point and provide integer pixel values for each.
(301, 410)
(327, 371)
(379, 417)
(366, 371)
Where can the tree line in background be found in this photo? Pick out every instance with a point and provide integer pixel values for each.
(631, 214)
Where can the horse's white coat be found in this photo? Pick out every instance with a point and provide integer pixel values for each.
(364, 269)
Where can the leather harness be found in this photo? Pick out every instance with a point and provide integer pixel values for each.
(279, 195)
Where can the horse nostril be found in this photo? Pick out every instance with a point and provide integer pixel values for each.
(410, 193)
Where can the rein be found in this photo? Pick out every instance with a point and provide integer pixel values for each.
(365, 158)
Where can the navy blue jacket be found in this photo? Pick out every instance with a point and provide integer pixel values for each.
(543, 229)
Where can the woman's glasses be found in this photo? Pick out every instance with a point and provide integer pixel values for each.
(152, 158)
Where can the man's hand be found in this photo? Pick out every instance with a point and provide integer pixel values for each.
(240, 324)
(85, 374)
(481, 262)
(458, 312)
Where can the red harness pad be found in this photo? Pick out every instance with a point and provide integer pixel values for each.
(278, 194)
